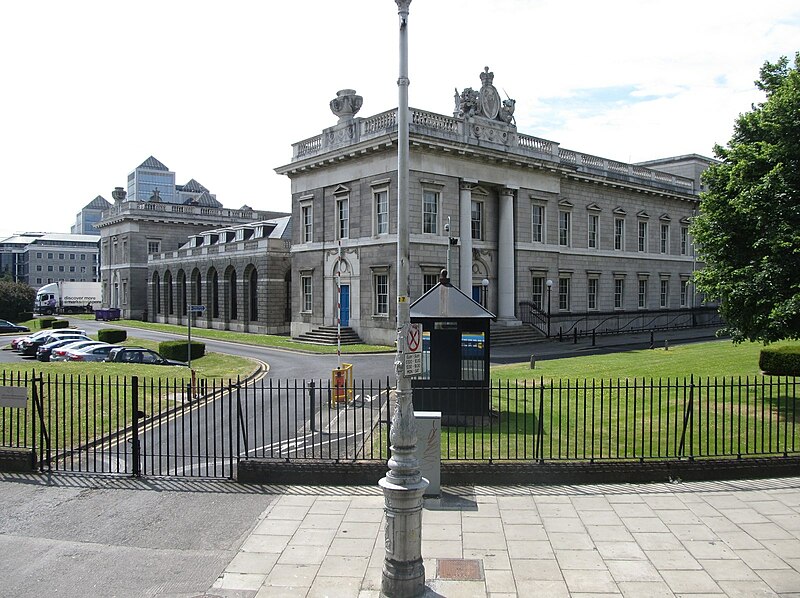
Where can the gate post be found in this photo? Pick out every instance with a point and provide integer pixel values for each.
(136, 449)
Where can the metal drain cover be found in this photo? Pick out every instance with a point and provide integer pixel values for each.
(460, 569)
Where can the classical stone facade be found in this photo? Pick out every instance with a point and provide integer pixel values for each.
(241, 275)
(607, 236)
(133, 230)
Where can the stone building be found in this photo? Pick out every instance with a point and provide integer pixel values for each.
(534, 228)
(133, 229)
(240, 274)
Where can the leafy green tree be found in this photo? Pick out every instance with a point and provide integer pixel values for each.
(748, 229)
(15, 298)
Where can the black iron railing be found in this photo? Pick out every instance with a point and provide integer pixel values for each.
(143, 427)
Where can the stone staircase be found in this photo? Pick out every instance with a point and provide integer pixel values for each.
(326, 335)
(513, 335)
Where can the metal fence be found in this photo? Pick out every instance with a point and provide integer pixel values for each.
(151, 427)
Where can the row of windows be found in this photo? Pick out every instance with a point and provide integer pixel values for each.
(380, 288)
(431, 217)
(82, 269)
(49, 280)
(592, 291)
(63, 256)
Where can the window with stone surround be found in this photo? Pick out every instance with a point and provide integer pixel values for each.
(684, 240)
(343, 218)
(305, 293)
(619, 234)
(642, 293)
(430, 212)
(642, 235)
(477, 220)
(594, 231)
(619, 293)
(537, 291)
(564, 293)
(537, 220)
(307, 222)
(684, 292)
(381, 200)
(665, 238)
(564, 228)
(591, 292)
(381, 291)
(429, 281)
(664, 293)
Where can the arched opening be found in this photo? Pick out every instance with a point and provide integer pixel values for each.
(232, 294)
(156, 293)
(197, 287)
(170, 305)
(213, 293)
(252, 294)
(183, 298)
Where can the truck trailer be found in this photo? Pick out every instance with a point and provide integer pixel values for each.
(65, 297)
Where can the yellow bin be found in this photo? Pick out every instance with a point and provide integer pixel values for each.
(342, 383)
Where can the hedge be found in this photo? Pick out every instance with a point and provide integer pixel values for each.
(24, 316)
(112, 336)
(177, 350)
(780, 361)
(59, 324)
(46, 322)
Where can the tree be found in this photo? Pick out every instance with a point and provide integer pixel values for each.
(748, 229)
(15, 298)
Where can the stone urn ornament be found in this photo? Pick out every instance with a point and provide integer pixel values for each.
(346, 104)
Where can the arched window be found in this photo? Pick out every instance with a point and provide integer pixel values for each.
(233, 299)
(168, 293)
(252, 292)
(183, 298)
(214, 290)
(156, 293)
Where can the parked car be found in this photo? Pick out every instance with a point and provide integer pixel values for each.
(17, 342)
(45, 352)
(30, 346)
(6, 326)
(89, 353)
(139, 355)
(60, 353)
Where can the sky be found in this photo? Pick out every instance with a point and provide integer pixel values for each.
(219, 91)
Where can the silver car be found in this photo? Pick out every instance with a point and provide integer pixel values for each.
(90, 353)
(59, 353)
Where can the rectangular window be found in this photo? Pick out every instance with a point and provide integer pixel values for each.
(591, 294)
(49, 255)
(83, 257)
(537, 292)
(642, 235)
(308, 224)
(38, 268)
(72, 256)
(343, 216)
(381, 212)
(61, 256)
(61, 268)
(594, 231)
(83, 269)
(684, 240)
(153, 246)
(49, 268)
(537, 218)
(563, 294)
(619, 234)
(430, 212)
(664, 293)
(619, 293)
(477, 220)
(429, 281)
(381, 295)
(665, 238)
(305, 287)
(564, 228)
(72, 268)
(684, 293)
(642, 293)
(39, 254)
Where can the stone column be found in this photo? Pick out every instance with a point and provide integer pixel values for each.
(465, 234)
(505, 257)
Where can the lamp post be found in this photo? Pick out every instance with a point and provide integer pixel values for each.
(549, 288)
(403, 486)
(485, 285)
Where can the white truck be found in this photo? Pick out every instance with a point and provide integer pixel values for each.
(65, 297)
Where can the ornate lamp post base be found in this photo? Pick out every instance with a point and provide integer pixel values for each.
(403, 571)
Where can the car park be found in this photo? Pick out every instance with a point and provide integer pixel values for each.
(6, 326)
(60, 353)
(139, 355)
(45, 352)
(89, 353)
(30, 346)
(17, 342)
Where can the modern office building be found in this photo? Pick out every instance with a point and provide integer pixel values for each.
(90, 215)
(155, 216)
(37, 259)
(538, 229)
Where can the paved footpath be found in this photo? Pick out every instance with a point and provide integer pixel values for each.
(693, 539)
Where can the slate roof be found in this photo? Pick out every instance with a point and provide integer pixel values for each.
(153, 164)
(446, 301)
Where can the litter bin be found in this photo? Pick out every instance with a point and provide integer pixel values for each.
(342, 383)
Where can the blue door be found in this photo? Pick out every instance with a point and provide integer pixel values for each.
(476, 293)
(344, 299)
